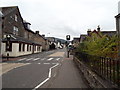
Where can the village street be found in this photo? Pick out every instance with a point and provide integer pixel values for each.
(51, 69)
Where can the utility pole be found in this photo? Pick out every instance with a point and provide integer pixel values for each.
(68, 38)
(8, 45)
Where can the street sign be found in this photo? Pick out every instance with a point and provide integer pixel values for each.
(68, 37)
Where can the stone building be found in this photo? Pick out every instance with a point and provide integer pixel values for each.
(118, 28)
(22, 40)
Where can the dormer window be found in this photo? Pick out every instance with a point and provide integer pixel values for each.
(16, 18)
(15, 30)
(27, 25)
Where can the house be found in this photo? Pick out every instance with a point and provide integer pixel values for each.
(82, 37)
(1, 16)
(59, 43)
(118, 28)
(76, 41)
(95, 34)
(21, 38)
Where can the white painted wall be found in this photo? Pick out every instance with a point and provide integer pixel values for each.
(15, 50)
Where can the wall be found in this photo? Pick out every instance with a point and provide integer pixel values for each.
(92, 78)
(15, 51)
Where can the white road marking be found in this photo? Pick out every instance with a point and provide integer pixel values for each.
(46, 63)
(49, 76)
(39, 63)
(36, 59)
(50, 59)
(54, 63)
(29, 59)
(22, 59)
(43, 59)
(27, 63)
(58, 59)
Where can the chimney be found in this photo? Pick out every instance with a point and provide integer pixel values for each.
(89, 32)
(98, 28)
(37, 32)
(43, 35)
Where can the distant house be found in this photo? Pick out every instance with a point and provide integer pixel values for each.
(118, 29)
(76, 41)
(82, 37)
(22, 39)
(59, 43)
(95, 34)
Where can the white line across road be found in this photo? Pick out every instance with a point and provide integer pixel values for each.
(46, 63)
(36, 59)
(49, 76)
(29, 59)
(58, 59)
(22, 59)
(50, 59)
(43, 59)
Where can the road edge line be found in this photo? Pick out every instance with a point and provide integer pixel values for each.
(49, 76)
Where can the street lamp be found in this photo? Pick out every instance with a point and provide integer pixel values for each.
(67, 38)
(8, 45)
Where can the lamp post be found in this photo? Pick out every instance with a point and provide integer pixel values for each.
(68, 38)
(8, 45)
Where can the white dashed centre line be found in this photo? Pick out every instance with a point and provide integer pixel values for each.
(22, 59)
(29, 59)
(36, 59)
(43, 59)
(50, 59)
(46, 63)
(58, 59)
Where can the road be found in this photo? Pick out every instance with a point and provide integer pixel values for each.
(49, 69)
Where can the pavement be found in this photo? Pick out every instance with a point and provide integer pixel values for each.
(66, 76)
(49, 69)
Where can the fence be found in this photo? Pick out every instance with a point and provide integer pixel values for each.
(107, 68)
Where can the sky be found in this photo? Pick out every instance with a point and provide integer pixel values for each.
(58, 18)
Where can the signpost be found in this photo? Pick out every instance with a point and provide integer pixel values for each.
(68, 38)
(8, 45)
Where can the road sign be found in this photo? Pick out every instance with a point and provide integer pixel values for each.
(68, 37)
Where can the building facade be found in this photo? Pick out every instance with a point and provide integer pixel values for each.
(22, 40)
(118, 28)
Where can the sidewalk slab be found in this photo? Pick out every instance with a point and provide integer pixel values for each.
(67, 76)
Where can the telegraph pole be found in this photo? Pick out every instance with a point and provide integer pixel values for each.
(68, 38)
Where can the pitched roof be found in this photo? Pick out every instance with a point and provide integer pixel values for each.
(109, 33)
(9, 9)
(14, 38)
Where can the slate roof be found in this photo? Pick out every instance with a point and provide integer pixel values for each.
(109, 33)
(20, 39)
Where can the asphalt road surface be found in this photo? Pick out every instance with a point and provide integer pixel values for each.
(49, 69)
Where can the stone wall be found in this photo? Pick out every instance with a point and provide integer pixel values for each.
(94, 80)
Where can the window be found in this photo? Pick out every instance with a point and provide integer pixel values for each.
(25, 34)
(34, 48)
(16, 18)
(23, 47)
(30, 47)
(15, 30)
(27, 47)
(20, 47)
(8, 46)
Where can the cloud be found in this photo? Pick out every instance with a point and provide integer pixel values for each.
(60, 17)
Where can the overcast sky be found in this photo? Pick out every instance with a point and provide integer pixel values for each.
(58, 18)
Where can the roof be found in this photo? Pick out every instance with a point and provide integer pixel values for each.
(83, 35)
(109, 33)
(117, 16)
(97, 32)
(9, 9)
(20, 39)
